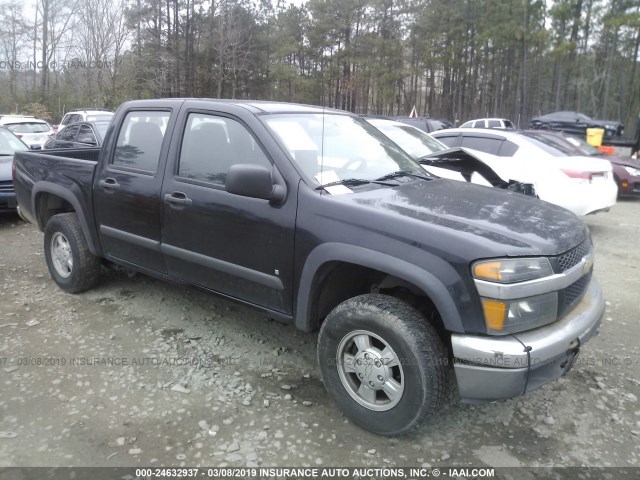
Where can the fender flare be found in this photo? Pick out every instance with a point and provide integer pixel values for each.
(339, 252)
(67, 195)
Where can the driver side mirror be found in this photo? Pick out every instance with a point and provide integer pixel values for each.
(253, 181)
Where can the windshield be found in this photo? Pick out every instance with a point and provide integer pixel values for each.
(102, 129)
(582, 146)
(332, 147)
(413, 141)
(28, 127)
(547, 145)
(9, 143)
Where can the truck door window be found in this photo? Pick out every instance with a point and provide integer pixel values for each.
(212, 144)
(140, 140)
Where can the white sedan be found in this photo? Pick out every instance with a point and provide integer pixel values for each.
(30, 130)
(581, 184)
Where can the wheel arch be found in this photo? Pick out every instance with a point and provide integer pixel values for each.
(386, 269)
(49, 199)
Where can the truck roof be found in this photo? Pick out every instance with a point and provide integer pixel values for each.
(256, 106)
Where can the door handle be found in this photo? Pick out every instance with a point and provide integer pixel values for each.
(177, 198)
(109, 183)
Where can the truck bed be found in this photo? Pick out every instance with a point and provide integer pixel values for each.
(58, 170)
(89, 154)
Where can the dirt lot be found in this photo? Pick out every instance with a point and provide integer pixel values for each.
(139, 372)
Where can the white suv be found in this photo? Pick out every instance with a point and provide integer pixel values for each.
(504, 123)
(95, 115)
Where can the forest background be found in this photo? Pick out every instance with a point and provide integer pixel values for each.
(452, 59)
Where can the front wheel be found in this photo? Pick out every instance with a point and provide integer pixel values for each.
(383, 363)
(71, 264)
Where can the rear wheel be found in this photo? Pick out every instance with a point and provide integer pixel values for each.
(71, 264)
(383, 363)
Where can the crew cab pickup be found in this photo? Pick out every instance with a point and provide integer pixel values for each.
(314, 217)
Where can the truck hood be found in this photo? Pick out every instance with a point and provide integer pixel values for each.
(5, 167)
(495, 221)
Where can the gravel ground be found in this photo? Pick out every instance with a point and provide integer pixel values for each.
(142, 373)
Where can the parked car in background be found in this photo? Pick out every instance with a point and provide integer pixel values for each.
(79, 135)
(575, 122)
(31, 130)
(504, 123)
(426, 124)
(440, 160)
(581, 184)
(85, 115)
(626, 171)
(411, 139)
(9, 145)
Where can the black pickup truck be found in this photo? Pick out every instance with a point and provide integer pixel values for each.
(314, 217)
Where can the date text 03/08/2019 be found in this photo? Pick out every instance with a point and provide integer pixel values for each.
(314, 472)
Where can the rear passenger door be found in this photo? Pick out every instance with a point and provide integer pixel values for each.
(127, 188)
(235, 245)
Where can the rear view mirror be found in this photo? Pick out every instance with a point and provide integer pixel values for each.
(253, 181)
(35, 146)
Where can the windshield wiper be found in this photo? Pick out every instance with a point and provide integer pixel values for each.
(403, 173)
(352, 182)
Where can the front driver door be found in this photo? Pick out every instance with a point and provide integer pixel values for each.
(238, 246)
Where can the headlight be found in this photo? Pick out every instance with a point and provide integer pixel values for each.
(634, 172)
(509, 315)
(502, 317)
(512, 270)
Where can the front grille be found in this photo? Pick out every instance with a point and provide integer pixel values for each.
(573, 257)
(6, 186)
(570, 296)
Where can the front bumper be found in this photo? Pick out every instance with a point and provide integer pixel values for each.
(627, 184)
(493, 368)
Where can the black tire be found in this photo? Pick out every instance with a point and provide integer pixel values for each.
(422, 370)
(84, 270)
